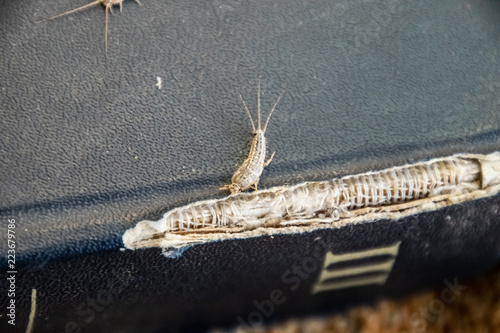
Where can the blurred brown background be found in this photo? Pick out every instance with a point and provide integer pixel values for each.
(476, 309)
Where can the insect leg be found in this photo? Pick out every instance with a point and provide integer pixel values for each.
(269, 160)
(108, 8)
(72, 11)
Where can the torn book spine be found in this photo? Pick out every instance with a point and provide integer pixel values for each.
(390, 193)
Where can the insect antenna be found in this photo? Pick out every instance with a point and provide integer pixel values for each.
(258, 102)
(248, 112)
(272, 110)
(72, 11)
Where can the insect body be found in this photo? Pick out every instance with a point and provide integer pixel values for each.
(108, 4)
(248, 174)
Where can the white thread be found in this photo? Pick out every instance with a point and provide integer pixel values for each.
(327, 199)
(391, 193)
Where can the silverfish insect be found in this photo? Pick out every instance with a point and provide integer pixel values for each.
(248, 174)
(108, 5)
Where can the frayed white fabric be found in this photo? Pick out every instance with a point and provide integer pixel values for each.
(390, 193)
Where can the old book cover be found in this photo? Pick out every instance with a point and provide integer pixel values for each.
(385, 144)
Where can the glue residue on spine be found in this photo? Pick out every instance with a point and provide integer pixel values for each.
(390, 193)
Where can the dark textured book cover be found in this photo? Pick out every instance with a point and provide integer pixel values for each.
(92, 145)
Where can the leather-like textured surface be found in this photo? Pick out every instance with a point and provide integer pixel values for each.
(216, 283)
(90, 145)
